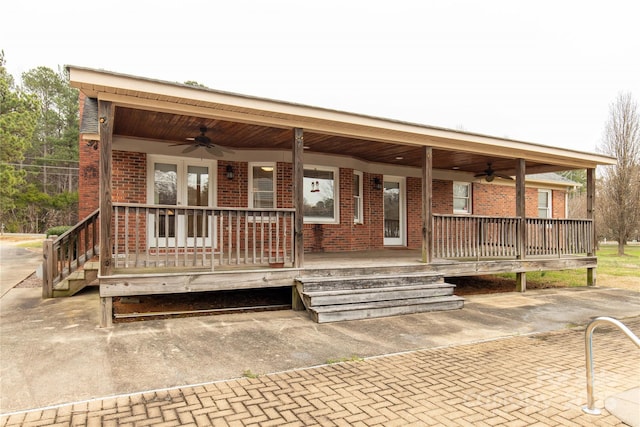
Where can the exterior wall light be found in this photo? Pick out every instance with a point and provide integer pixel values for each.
(377, 184)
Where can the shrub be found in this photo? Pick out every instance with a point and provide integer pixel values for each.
(58, 230)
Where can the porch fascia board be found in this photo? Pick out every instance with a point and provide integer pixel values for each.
(183, 99)
(169, 283)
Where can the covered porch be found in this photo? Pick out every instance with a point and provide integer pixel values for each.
(227, 238)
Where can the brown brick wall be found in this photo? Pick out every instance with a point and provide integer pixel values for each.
(129, 178)
(558, 204)
(233, 193)
(498, 200)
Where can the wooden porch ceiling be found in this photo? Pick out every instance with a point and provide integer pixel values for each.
(172, 128)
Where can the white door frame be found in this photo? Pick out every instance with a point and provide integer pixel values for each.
(182, 165)
(402, 239)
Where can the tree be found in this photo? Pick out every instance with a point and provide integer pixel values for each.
(619, 198)
(54, 149)
(577, 197)
(18, 117)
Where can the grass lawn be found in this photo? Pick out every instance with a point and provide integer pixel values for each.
(611, 267)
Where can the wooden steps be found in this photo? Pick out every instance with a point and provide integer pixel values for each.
(351, 297)
(76, 281)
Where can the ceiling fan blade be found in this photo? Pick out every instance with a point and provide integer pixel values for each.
(225, 149)
(178, 144)
(503, 176)
(190, 148)
(214, 150)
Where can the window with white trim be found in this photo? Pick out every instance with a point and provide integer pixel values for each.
(358, 217)
(262, 194)
(320, 188)
(544, 204)
(462, 197)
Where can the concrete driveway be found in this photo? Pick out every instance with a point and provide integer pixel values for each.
(53, 351)
(17, 263)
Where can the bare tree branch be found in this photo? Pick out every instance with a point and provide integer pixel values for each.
(619, 196)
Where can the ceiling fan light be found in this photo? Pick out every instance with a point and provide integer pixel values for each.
(489, 178)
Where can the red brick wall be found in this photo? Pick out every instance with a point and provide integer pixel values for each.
(414, 212)
(373, 212)
(129, 185)
(442, 197)
(493, 200)
(233, 193)
(129, 177)
(499, 200)
(558, 204)
(284, 186)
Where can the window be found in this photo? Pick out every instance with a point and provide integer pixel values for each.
(358, 217)
(262, 193)
(462, 197)
(320, 190)
(544, 203)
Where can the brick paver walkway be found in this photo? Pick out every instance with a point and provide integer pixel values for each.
(522, 381)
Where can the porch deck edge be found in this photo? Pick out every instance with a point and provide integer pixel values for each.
(183, 282)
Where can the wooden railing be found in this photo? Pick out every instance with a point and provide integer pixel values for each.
(496, 237)
(547, 236)
(68, 252)
(163, 236)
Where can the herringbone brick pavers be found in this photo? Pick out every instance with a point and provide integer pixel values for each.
(521, 381)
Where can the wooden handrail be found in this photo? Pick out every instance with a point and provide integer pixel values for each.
(64, 254)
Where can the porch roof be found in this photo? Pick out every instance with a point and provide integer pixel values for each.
(169, 112)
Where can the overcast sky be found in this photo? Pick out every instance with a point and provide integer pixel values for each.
(538, 71)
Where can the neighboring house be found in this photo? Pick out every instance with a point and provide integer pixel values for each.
(196, 190)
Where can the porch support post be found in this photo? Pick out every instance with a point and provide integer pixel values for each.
(521, 213)
(591, 195)
(427, 209)
(106, 111)
(298, 197)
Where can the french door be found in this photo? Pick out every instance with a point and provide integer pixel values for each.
(178, 186)
(394, 211)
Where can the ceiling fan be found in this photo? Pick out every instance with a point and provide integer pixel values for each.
(489, 174)
(204, 141)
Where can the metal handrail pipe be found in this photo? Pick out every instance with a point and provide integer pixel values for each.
(590, 408)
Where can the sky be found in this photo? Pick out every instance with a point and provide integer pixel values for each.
(537, 71)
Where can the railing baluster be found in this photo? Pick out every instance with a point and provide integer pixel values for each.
(126, 236)
(137, 236)
(253, 235)
(246, 236)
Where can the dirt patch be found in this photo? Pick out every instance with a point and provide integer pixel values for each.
(626, 282)
(20, 238)
(30, 282)
(490, 284)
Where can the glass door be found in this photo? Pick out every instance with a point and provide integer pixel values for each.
(179, 187)
(162, 222)
(199, 223)
(394, 212)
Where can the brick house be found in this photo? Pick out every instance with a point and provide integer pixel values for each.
(200, 190)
